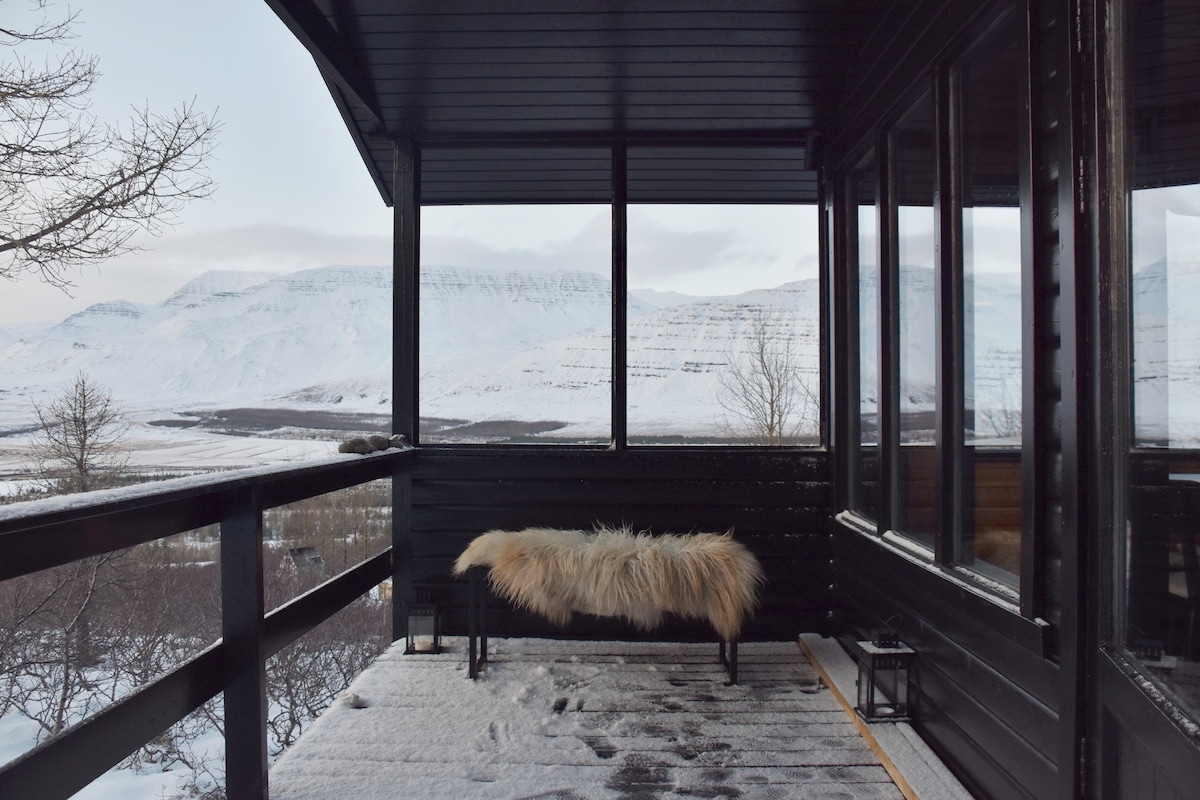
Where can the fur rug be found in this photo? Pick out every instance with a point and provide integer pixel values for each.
(618, 573)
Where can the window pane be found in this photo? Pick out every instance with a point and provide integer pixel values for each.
(1161, 572)
(1165, 244)
(914, 164)
(990, 106)
(516, 324)
(866, 490)
(723, 324)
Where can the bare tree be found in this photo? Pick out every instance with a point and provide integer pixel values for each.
(763, 390)
(50, 646)
(80, 443)
(1003, 420)
(72, 190)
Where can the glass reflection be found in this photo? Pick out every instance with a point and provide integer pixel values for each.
(866, 491)
(914, 165)
(990, 107)
(1161, 569)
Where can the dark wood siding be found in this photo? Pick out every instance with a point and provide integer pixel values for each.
(1139, 772)
(776, 502)
(989, 683)
(986, 697)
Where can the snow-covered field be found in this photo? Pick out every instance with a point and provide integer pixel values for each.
(174, 451)
(18, 735)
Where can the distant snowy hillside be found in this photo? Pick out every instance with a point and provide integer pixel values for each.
(524, 345)
(315, 338)
(224, 338)
(674, 358)
(465, 309)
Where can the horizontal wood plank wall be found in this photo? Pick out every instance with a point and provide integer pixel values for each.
(776, 502)
(985, 696)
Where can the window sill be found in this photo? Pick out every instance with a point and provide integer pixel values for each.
(987, 601)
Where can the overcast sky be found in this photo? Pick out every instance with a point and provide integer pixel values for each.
(293, 193)
(291, 190)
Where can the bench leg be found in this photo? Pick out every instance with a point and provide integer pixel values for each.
(476, 622)
(728, 659)
(483, 633)
(472, 622)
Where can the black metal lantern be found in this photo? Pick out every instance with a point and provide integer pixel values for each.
(424, 627)
(883, 681)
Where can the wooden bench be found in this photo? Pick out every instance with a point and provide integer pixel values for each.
(612, 573)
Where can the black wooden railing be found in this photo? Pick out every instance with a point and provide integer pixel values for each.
(47, 533)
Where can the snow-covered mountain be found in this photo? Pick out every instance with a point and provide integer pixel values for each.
(536, 347)
(523, 345)
(225, 337)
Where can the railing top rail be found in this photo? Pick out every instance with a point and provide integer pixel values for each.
(44, 533)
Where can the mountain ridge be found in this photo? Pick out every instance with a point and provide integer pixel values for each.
(495, 344)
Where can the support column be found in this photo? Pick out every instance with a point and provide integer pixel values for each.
(620, 300)
(405, 286)
(405, 365)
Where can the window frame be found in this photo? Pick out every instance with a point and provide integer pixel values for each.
(948, 549)
(619, 439)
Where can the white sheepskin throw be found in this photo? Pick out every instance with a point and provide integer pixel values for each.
(618, 573)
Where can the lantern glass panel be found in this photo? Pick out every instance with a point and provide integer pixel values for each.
(424, 634)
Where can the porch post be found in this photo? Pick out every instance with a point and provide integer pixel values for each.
(242, 608)
(619, 299)
(1078, 290)
(405, 333)
(406, 277)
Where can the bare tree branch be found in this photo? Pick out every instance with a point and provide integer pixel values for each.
(763, 390)
(74, 192)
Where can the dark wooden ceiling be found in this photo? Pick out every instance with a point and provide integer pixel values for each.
(523, 100)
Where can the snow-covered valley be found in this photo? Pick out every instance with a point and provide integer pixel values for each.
(240, 369)
(531, 348)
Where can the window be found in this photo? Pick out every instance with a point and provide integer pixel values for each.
(990, 111)
(516, 324)
(1159, 561)
(940, 288)
(723, 324)
(864, 184)
(722, 336)
(913, 162)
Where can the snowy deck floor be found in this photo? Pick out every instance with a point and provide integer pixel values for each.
(573, 720)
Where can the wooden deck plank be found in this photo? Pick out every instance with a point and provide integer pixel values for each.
(582, 720)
